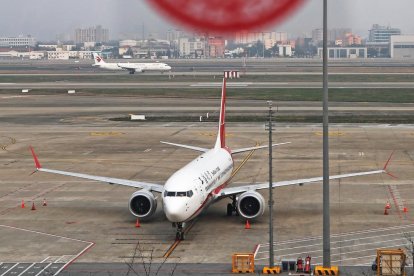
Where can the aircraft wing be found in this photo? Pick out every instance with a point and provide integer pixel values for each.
(125, 182)
(131, 67)
(241, 189)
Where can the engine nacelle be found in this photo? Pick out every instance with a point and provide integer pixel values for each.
(142, 204)
(250, 205)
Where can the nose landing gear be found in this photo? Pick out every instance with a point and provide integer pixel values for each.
(179, 236)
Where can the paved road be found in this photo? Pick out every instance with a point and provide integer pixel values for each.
(151, 85)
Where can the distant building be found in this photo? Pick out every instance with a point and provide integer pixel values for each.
(382, 34)
(128, 42)
(21, 41)
(379, 40)
(334, 35)
(338, 34)
(269, 39)
(285, 50)
(191, 47)
(92, 34)
(216, 47)
(345, 52)
(317, 36)
(65, 55)
(402, 46)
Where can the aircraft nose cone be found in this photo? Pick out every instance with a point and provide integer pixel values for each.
(173, 212)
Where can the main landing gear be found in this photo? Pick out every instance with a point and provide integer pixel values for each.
(232, 207)
(179, 236)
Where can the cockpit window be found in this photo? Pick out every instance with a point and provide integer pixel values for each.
(180, 194)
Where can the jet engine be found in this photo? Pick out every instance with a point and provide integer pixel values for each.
(250, 205)
(142, 204)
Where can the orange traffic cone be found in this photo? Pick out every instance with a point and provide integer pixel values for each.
(33, 206)
(44, 202)
(385, 211)
(388, 205)
(23, 203)
(137, 224)
(247, 226)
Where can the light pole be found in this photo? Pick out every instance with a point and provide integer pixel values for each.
(271, 257)
(326, 215)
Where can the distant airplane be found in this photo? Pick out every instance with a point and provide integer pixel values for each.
(200, 183)
(131, 67)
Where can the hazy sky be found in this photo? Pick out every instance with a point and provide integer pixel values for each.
(45, 19)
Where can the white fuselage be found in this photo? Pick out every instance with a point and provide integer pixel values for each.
(192, 188)
(138, 67)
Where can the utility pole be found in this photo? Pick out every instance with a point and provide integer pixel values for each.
(271, 257)
(326, 215)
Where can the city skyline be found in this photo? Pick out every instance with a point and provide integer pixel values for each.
(47, 19)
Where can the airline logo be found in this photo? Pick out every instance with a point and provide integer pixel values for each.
(98, 58)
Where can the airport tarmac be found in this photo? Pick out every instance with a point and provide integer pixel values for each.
(167, 84)
(89, 222)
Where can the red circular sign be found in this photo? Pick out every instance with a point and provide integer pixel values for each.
(226, 16)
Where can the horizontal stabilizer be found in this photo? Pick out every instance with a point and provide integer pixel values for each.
(186, 146)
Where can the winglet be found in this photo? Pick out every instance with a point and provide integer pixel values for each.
(37, 163)
(386, 165)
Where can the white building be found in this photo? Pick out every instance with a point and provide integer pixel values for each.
(37, 55)
(20, 41)
(13, 54)
(128, 43)
(190, 47)
(402, 46)
(345, 52)
(58, 55)
(65, 55)
(285, 50)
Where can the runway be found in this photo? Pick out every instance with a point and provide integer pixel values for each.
(170, 84)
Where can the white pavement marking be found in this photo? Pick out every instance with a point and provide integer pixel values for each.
(74, 258)
(147, 150)
(345, 234)
(218, 84)
(90, 244)
(30, 266)
(359, 246)
(9, 269)
(12, 97)
(256, 251)
(44, 260)
(342, 241)
(41, 271)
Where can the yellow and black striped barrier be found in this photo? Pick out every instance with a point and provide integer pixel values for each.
(326, 271)
(271, 270)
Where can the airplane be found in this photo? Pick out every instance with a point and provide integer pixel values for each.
(131, 67)
(201, 182)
